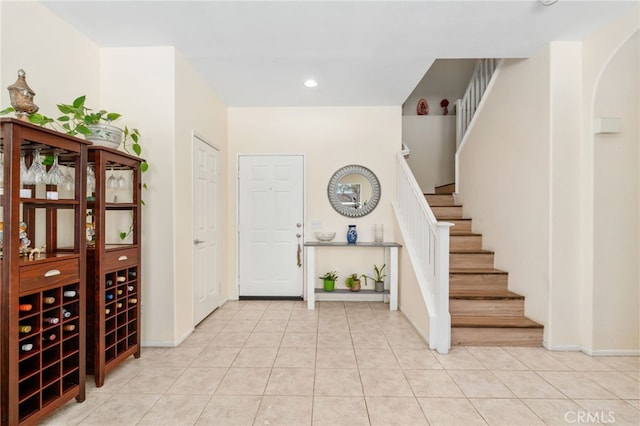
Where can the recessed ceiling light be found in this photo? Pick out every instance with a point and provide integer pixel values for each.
(310, 83)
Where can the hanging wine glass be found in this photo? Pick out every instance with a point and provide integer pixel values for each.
(122, 181)
(26, 176)
(37, 169)
(67, 180)
(55, 175)
(112, 181)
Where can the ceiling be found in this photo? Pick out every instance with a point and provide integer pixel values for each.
(363, 53)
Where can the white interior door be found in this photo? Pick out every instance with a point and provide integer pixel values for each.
(206, 229)
(270, 210)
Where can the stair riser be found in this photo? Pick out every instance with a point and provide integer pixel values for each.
(465, 242)
(501, 307)
(471, 260)
(460, 226)
(462, 282)
(447, 212)
(446, 189)
(480, 336)
(440, 199)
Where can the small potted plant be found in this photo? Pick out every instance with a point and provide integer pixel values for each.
(378, 278)
(353, 282)
(329, 280)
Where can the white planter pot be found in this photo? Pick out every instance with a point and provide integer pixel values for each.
(105, 135)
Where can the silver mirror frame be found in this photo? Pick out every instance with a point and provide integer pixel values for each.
(376, 191)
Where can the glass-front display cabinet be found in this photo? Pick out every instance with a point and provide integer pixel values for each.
(113, 238)
(42, 270)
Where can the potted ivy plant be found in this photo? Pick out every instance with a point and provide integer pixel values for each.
(329, 280)
(378, 277)
(78, 119)
(353, 282)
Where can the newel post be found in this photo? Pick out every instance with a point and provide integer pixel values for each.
(443, 339)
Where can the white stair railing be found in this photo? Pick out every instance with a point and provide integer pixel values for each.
(466, 107)
(427, 243)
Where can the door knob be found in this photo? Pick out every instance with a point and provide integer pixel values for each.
(197, 241)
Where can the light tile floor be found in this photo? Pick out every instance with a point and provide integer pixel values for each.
(277, 363)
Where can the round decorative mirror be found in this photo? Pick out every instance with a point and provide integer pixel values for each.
(354, 191)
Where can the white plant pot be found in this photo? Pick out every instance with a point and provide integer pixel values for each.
(105, 135)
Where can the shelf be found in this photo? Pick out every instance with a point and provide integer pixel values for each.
(345, 244)
(390, 295)
(348, 295)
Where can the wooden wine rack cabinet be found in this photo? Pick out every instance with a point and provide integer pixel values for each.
(42, 299)
(113, 270)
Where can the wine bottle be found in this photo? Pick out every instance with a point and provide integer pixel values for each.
(109, 283)
(25, 329)
(119, 305)
(68, 327)
(48, 300)
(121, 279)
(107, 311)
(49, 337)
(133, 301)
(51, 320)
(120, 291)
(108, 296)
(24, 307)
(69, 293)
(26, 347)
(65, 313)
(132, 274)
(130, 288)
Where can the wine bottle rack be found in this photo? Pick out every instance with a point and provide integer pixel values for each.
(42, 325)
(113, 269)
(51, 365)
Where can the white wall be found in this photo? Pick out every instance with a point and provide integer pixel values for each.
(432, 142)
(198, 110)
(139, 83)
(538, 162)
(597, 52)
(564, 235)
(168, 101)
(616, 205)
(61, 64)
(329, 138)
(504, 177)
(445, 79)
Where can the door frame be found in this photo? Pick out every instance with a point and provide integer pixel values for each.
(221, 238)
(236, 295)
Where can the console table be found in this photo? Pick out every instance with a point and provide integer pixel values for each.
(391, 281)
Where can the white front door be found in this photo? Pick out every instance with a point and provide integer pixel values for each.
(270, 210)
(206, 229)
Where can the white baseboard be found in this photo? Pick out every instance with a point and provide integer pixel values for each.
(591, 352)
(611, 352)
(167, 344)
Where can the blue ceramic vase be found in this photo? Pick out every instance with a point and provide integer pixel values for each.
(352, 234)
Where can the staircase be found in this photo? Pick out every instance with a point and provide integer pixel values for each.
(483, 311)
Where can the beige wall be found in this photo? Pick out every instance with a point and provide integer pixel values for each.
(60, 63)
(410, 298)
(432, 142)
(139, 82)
(198, 110)
(504, 177)
(616, 310)
(329, 138)
(597, 52)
